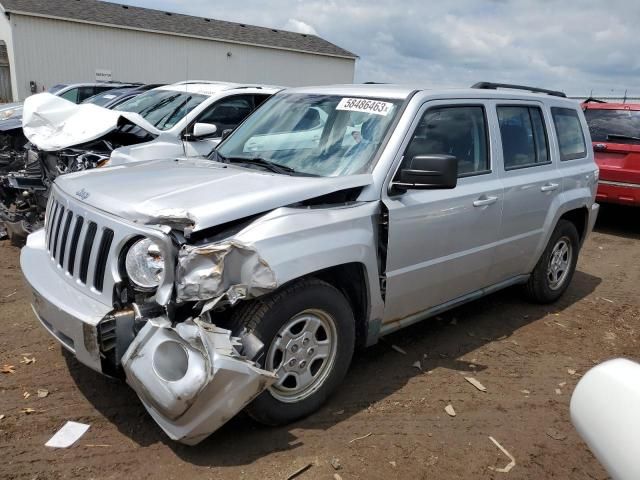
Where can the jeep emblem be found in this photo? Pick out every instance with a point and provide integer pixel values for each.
(83, 194)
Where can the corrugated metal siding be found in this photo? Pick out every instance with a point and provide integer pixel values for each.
(54, 51)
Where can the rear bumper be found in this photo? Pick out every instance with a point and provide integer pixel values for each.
(65, 312)
(618, 192)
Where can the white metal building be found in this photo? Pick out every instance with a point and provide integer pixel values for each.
(58, 41)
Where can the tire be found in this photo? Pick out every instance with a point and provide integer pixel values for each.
(275, 320)
(554, 271)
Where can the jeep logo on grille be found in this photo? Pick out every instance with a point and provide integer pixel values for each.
(83, 194)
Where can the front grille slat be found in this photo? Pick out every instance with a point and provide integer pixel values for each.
(65, 234)
(57, 232)
(52, 221)
(75, 237)
(86, 251)
(101, 259)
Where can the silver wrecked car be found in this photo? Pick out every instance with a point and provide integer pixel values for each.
(330, 217)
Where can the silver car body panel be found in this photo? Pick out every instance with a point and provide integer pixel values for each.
(440, 250)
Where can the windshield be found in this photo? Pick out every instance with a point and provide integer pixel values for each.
(101, 99)
(323, 135)
(602, 123)
(162, 108)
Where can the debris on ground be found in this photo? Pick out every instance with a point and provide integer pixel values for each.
(398, 349)
(417, 365)
(510, 465)
(2, 417)
(336, 477)
(3, 233)
(558, 391)
(338, 412)
(95, 445)
(26, 395)
(450, 411)
(476, 384)
(28, 411)
(69, 434)
(28, 360)
(525, 391)
(562, 384)
(335, 463)
(11, 294)
(393, 464)
(571, 371)
(300, 471)
(555, 434)
(607, 300)
(42, 393)
(8, 369)
(361, 438)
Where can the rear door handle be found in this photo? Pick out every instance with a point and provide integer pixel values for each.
(484, 200)
(549, 187)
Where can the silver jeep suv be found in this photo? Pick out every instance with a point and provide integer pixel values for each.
(330, 217)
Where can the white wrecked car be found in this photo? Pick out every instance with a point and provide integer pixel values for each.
(185, 119)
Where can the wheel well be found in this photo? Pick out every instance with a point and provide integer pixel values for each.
(579, 218)
(351, 280)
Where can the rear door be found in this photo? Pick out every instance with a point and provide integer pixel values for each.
(531, 182)
(441, 242)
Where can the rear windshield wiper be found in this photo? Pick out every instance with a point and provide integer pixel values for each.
(274, 167)
(615, 136)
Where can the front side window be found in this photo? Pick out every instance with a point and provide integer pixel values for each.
(618, 126)
(162, 108)
(569, 131)
(71, 95)
(227, 113)
(524, 138)
(324, 135)
(458, 131)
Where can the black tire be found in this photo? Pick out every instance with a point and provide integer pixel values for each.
(540, 288)
(265, 316)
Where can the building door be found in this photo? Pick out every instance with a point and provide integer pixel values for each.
(5, 75)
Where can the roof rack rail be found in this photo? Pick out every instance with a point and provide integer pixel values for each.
(495, 86)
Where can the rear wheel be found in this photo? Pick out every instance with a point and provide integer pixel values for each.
(308, 331)
(554, 271)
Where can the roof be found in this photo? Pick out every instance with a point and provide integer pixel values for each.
(400, 92)
(137, 18)
(214, 88)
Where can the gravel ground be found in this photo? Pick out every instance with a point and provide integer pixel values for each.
(387, 420)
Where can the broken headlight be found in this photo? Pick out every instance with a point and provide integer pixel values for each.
(144, 264)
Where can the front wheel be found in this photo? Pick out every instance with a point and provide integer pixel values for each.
(308, 331)
(554, 271)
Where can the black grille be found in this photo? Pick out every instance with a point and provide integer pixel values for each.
(86, 251)
(74, 245)
(103, 256)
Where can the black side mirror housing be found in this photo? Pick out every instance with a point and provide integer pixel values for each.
(426, 172)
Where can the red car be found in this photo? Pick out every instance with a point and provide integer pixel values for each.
(615, 132)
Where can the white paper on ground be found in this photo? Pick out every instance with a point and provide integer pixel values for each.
(69, 434)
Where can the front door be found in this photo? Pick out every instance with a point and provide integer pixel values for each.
(441, 242)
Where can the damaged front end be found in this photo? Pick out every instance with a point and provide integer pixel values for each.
(191, 377)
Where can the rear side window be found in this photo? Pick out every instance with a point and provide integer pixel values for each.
(524, 137)
(619, 126)
(459, 131)
(569, 131)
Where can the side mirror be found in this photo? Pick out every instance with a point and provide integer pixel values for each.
(201, 131)
(426, 172)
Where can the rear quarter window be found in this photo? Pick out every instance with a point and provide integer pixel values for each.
(569, 132)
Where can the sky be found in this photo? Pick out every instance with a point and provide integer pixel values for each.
(578, 46)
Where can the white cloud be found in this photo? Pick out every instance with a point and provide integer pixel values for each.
(571, 45)
(299, 26)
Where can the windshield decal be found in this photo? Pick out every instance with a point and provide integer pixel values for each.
(365, 105)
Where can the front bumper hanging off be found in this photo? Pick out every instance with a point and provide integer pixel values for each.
(190, 376)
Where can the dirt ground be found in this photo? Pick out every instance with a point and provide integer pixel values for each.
(387, 420)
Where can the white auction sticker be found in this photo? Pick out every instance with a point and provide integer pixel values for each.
(365, 105)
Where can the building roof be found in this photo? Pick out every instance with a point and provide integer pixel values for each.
(137, 18)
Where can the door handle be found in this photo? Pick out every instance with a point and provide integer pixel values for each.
(549, 187)
(484, 200)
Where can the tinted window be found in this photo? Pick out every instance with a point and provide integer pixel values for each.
(227, 113)
(569, 131)
(603, 123)
(458, 131)
(71, 95)
(524, 139)
(85, 92)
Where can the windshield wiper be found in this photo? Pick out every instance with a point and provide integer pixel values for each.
(274, 167)
(615, 136)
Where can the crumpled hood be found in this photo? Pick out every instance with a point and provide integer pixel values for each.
(195, 193)
(52, 123)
